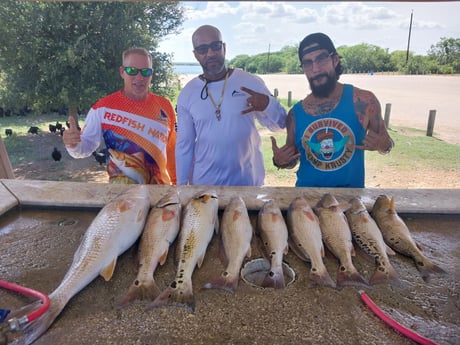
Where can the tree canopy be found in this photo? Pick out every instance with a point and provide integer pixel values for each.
(61, 54)
(442, 58)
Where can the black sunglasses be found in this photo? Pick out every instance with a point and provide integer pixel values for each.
(145, 72)
(203, 49)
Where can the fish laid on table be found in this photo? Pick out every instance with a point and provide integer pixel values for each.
(367, 234)
(397, 235)
(200, 219)
(236, 234)
(274, 235)
(116, 227)
(161, 229)
(306, 241)
(337, 237)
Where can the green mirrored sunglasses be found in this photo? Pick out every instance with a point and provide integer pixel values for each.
(132, 71)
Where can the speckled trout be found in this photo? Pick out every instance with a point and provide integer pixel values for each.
(236, 236)
(274, 235)
(306, 241)
(367, 234)
(397, 235)
(200, 219)
(116, 227)
(337, 237)
(160, 231)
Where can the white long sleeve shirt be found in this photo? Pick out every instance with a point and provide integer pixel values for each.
(226, 151)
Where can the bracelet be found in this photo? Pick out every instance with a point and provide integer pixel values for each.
(289, 165)
(388, 150)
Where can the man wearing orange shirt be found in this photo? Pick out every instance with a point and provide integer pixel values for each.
(137, 126)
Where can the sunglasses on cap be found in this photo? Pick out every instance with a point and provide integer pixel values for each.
(203, 49)
(132, 71)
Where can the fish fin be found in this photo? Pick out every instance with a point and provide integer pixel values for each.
(181, 296)
(389, 251)
(320, 278)
(164, 256)
(302, 254)
(36, 328)
(274, 280)
(107, 272)
(139, 291)
(427, 268)
(350, 277)
(380, 276)
(286, 249)
(200, 261)
(225, 282)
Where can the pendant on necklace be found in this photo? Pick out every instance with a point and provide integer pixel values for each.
(218, 114)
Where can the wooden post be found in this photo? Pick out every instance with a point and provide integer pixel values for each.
(431, 118)
(6, 170)
(275, 93)
(289, 98)
(387, 115)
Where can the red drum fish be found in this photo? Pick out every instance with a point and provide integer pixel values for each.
(236, 233)
(306, 241)
(397, 235)
(116, 227)
(367, 234)
(200, 219)
(160, 231)
(274, 235)
(337, 237)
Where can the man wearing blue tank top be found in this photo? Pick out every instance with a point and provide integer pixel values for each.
(329, 130)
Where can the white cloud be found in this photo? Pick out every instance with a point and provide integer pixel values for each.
(249, 27)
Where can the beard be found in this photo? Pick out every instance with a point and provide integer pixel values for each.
(323, 90)
(214, 66)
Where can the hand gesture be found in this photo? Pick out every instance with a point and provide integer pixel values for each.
(71, 136)
(284, 155)
(379, 140)
(256, 101)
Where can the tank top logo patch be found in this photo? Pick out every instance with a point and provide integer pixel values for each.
(329, 144)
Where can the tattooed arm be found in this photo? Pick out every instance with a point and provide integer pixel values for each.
(369, 113)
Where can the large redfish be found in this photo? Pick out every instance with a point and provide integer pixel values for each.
(397, 235)
(116, 227)
(337, 237)
(236, 233)
(199, 221)
(306, 241)
(367, 234)
(274, 235)
(160, 231)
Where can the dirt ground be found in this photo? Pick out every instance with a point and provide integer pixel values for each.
(294, 315)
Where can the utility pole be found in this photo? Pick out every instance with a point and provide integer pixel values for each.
(408, 40)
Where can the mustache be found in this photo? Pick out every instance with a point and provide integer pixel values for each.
(320, 76)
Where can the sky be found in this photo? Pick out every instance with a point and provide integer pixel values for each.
(254, 27)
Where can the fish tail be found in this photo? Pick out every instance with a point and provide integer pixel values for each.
(350, 277)
(181, 296)
(36, 328)
(139, 291)
(274, 279)
(427, 268)
(320, 278)
(383, 275)
(225, 282)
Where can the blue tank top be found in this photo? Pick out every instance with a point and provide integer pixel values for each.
(326, 143)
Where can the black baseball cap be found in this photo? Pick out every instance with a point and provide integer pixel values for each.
(314, 42)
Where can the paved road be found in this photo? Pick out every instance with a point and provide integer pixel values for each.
(411, 98)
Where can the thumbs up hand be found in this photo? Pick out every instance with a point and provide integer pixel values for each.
(71, 136)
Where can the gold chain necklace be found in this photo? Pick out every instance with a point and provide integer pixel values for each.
(218, 105)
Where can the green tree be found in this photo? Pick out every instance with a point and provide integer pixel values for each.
(447, 53)
(67, 54)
